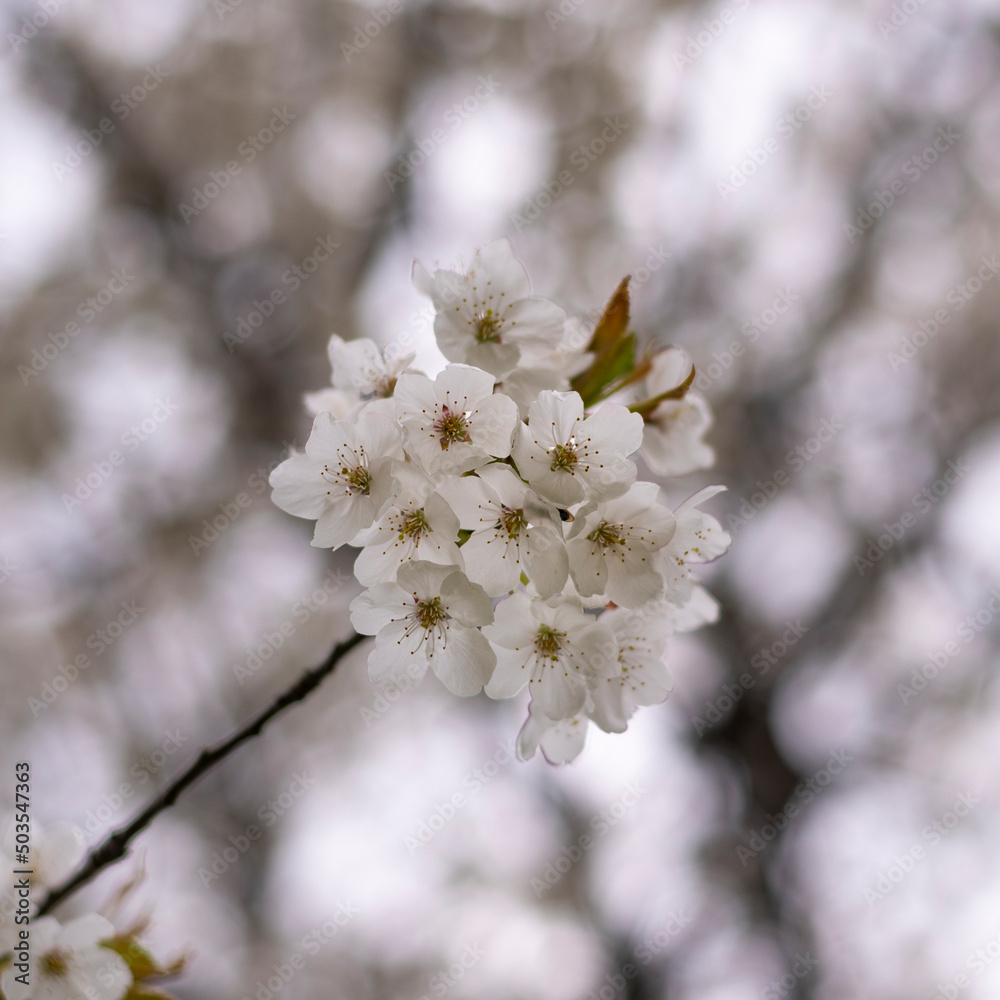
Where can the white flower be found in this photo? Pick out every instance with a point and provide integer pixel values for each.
(487, 316)
(363, 375)
(643, 679)
(513, 531)
(344, 478)
(551, 372)
(568, 458)
(672, 444)
(701, 609)
(55, 851)
(417, 524)
(68, 963)
(364, 367)
(455, 423)
(561, 741)
(553, 647)
(430, 615)
(698, 538)
(611, 547)
(339, 403)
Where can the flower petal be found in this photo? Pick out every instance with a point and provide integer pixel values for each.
(378, 607)
(464, 662)
(466, 602)
(298, 487)
(492, 425)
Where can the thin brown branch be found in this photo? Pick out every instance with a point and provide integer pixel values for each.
(115, 846)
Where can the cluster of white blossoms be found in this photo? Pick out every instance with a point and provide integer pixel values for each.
(505, 542)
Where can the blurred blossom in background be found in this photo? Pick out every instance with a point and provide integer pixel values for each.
(194, 196)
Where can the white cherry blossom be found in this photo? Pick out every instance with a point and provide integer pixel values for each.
(701, 609)
(68, 962)
(491, 482)
(56, 850)
(698, 538)
(552, 646)
(487, 317)
(672, 444)
(339, 403)
(430, 615)
(455, 423)
(54, 853)
(561, 741)
(344, 478)
(568, 458)
(364, 367)
(416, 524)
(513, 532)
(611, 546)
(551, 371)
(364, 374)
(643, 679)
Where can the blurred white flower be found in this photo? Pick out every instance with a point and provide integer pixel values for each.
(561, 741)
(54, 853)
(68, 963)
(642, 679)
(365, 368)
(672, 444)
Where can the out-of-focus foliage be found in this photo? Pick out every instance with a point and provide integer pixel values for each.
(194, 196)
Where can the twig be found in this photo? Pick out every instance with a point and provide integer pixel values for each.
(115, 846)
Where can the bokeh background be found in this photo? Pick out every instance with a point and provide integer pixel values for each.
(724, 154)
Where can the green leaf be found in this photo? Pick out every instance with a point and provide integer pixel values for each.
(613, 324)
(606, 346)
(648, 406)
(616, 367)
(144, 991)
(141, 963)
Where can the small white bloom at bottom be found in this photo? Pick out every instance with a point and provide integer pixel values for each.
(642, 679)
(68, 962)
(429, 617)
(560, 741)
